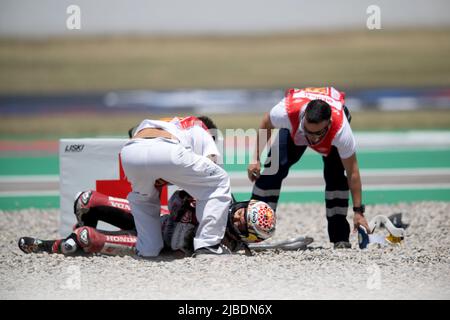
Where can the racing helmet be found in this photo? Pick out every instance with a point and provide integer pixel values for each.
(260, 221)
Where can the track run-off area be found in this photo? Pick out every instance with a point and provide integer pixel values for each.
(395, 167)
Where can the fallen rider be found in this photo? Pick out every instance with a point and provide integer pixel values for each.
(248, 222)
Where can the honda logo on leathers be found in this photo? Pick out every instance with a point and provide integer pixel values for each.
(120, 239)
(120, 205)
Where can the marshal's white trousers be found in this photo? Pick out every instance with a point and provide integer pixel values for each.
(146, 160)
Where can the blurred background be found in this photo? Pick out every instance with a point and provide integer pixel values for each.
(95, 68)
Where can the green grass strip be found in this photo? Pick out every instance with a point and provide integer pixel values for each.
(309, 161)
(39, 202)
(29, 165)
(388, 159)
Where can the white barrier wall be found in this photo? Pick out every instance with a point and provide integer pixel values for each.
(90, 164)
(82, 163)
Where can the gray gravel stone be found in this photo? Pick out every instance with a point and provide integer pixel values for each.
(418, 269)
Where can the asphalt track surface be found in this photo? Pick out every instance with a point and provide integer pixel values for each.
(411, 166)
(307, 181)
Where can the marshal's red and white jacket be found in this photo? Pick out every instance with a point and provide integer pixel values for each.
(289, 114)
